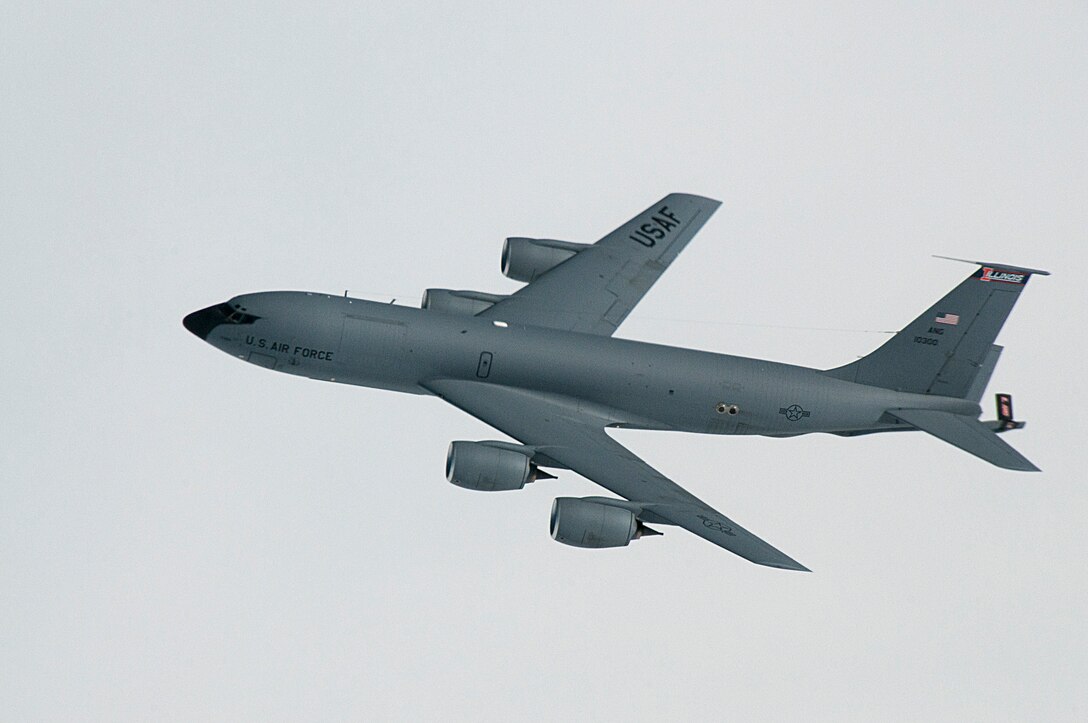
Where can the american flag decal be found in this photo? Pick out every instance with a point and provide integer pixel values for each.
(950, 319)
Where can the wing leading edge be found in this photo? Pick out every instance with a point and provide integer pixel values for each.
(595, 290)
(562, 431)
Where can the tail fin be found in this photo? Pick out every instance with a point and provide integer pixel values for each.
(948, 348)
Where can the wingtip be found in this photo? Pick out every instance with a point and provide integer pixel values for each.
(792, 568)
(698, 198)
(785, 564)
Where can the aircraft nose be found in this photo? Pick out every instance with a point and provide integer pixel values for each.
(202, 322)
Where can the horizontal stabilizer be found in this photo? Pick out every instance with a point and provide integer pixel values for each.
(968, 434)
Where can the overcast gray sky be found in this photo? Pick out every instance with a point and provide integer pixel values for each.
(186, 536)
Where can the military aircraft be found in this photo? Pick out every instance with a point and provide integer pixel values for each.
(541, 365)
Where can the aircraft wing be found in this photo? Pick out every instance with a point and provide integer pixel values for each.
(597, 288)
(563, 431)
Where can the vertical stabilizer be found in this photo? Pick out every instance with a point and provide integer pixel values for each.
(978, 386)
(950, 347)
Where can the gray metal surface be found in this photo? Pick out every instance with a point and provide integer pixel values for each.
(542, 367)
(557, 427)
(968, 434)
(595, 290)
(943, 349)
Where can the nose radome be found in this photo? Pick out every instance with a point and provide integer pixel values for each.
(202, 322)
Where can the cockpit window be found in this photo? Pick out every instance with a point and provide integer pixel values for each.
(235, 315)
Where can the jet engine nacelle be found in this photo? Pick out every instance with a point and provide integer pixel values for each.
(463, 303)
(584, 523)
(525, 259)
(481, 466)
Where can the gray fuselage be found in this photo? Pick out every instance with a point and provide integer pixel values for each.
(633, 384)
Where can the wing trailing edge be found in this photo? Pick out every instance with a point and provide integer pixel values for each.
(564, 432)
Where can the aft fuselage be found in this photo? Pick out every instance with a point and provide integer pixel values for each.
(633, 384)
